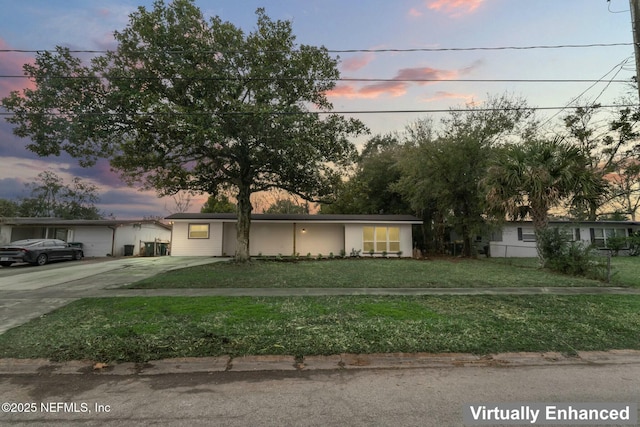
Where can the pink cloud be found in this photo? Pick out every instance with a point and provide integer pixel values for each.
(357, 62)
(11, 65)
(440, 95)
(425, 73)
(454, 7)
(415, 12)
(394, 89)
(399, 84)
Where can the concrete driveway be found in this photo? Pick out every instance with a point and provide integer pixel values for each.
(27, 292)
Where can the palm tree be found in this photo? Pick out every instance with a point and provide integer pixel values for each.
(529, 179)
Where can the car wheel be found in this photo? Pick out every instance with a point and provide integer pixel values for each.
(42, 259)
(6, 264)
(77, 255)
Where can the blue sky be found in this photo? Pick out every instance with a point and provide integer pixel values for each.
(343, 25)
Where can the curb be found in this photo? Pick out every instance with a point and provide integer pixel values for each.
(316, 363)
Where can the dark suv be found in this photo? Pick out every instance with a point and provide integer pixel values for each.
(38, 251)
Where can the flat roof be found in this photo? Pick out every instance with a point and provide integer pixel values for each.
(232, 217)
(78, 222)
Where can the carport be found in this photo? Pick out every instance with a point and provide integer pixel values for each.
(99, 238)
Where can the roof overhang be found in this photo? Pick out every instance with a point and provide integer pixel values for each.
(297, 218)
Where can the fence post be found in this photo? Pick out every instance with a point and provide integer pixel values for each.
(609, 266)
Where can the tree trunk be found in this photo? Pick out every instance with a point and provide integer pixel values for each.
(466, 241)
(244, 224)
(540, 217)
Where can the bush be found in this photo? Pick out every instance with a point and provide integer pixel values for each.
(560, 254)
(634, 244)
(616, 243)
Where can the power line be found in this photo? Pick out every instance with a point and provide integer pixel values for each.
(345, 112)
(619, 66)
(389, 50)
(341, 79)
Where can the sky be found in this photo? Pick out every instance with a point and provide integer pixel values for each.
(444, 32)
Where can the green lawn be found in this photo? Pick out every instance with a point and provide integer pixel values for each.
(371, 273)
(147, 328)
(141, 329)
(625, 271)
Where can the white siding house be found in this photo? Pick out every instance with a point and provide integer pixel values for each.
(517, 239)
(99, 238)
(272, 235)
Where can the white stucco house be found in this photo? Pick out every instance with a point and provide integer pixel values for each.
(517, 239)
(201, 234)
(99, 238)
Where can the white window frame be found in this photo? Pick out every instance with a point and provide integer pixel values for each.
(380, 245)
(197, 234)
(601, 234)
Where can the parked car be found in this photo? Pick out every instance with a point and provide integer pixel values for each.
(38, 251)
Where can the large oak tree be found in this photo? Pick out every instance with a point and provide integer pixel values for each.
(185, 103)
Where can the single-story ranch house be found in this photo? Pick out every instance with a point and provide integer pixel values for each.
(214, 234)
(99, 238)
(517, 239)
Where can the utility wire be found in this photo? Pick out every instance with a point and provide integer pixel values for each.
(297, 113)
(341, 79)
(620, 65)
(390, 50)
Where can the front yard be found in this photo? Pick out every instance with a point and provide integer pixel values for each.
(378, 273)
(147, 328)
(142, 329)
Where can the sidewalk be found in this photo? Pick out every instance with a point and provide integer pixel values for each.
(116, 291)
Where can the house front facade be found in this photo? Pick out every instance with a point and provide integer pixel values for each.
(99, 238)
(518, 239)
(197, 234)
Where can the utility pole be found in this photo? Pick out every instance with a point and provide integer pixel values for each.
(634, 5)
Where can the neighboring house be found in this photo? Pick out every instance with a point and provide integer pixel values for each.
(518, 239)
(281, 234)
(99, 238)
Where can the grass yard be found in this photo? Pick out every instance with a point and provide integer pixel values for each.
(369, 273)
(625, 271)
(142, 329)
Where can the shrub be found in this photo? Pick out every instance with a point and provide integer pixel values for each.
(634, 244)
(560, 254)
(616, 243)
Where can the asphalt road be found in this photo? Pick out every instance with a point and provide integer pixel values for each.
(360, 396)
(370, 397)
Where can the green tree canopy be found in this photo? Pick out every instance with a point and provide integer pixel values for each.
(184, 103)
(531, 178)
(218, 204)
(52, 197)
(441, 168)
(370, 189)
(286, 206)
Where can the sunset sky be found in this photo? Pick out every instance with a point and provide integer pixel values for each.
(442, 34)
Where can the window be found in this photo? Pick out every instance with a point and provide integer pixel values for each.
(198, 231)
(381, 239)
(526, 234)
(599, 236)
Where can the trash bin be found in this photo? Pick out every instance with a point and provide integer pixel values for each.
(149, 249)
(128, 250)
(164, 248)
